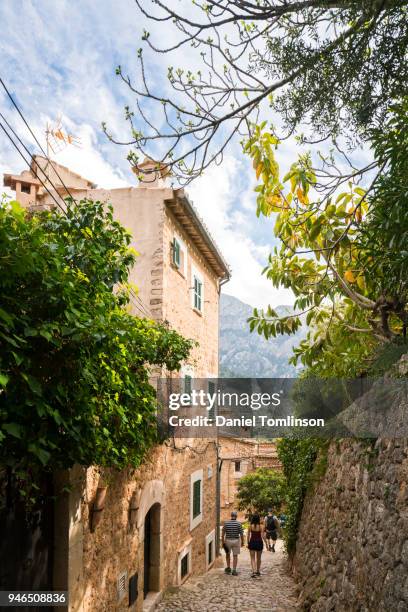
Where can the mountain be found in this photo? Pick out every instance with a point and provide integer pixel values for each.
(245, 354)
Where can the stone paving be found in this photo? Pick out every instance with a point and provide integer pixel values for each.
(274, 591)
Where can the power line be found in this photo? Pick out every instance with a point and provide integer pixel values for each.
(35, 137)
(142, 304)
(32, 158)
(138, 308)
(135, 299)
(140, 312)
(141, 307)
(22, 155)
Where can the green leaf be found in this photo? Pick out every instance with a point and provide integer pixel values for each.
(32, 383)
(13, 429)
(7, 318)
(316, 229)
(3, 379)
(42, 454)
(309, 317)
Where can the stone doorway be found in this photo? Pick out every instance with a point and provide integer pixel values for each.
(152, 535)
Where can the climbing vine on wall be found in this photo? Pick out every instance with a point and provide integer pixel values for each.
(303, 461)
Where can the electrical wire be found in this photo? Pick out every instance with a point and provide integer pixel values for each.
(22, 155)
(142, 313)
(32, 158)
(142, 304)
(136, 302)
(34, 136)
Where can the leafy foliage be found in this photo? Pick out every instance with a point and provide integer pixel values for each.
(74, 363)
(260, 490)
(384, 236)
(337, 252)
(301, 468)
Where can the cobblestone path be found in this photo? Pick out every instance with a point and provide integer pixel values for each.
(274, 591)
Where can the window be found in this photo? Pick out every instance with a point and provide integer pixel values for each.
(121, 585)
(196, 498)
(25, 187)
(187, 383)
(187, 375)
(237, 466)
(184, 566)
(179, 255)
(211, 391)
(176, 253)
(184, 562)
(197, 290)
(198, 294)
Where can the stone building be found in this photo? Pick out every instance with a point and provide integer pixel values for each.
(238, 457)
(121, 539)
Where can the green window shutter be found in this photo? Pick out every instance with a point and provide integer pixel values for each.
(176, 253)
(196, 498)
(211, 391)
(187, 383)
(198, 286)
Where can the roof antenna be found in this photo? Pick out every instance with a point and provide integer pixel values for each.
(57, 139)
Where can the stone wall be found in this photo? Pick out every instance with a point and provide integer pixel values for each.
(352, 548)
(96, 560)
(99, 557)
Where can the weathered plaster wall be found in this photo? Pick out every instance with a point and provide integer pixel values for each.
(141, 212)
(177, 308)
(352, 549)
(165, 293)
(58, 173)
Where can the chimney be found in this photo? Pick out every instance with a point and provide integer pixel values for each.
(151, 174)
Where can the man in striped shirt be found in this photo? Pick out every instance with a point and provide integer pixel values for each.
(232, 537)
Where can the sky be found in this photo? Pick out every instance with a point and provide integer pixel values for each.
(58, 59)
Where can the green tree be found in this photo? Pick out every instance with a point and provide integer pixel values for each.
(342, 252)
(330, 65)
(260, 490)
(74, 363)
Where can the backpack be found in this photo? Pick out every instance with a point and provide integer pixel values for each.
(270, 523)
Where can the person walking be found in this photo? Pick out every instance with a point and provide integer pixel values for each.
(232, 539)
(256, 536)
(272, 526)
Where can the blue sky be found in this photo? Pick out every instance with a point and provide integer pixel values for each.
(58, 59)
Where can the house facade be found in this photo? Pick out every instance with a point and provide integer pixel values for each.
(238, 457)
(132, 534)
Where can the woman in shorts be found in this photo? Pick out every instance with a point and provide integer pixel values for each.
(256, 537)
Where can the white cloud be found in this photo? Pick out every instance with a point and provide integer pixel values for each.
(216, 198)
(70, 51)
(87, 160)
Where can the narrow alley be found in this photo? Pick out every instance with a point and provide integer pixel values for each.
(274, 591)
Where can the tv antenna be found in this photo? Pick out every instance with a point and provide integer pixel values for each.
(58, 139)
